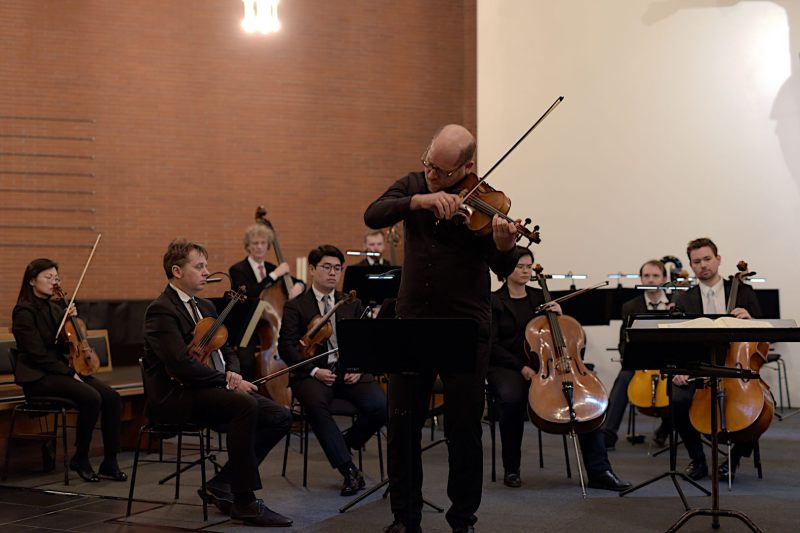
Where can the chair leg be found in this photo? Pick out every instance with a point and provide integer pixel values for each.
(380, 452)
(492, 436)
(286, 452)
(305, 453)
(8, 442)
(566, 457)
(178, 464)
(782, 365)
(135, 466)
(64, 444)
(541, 455)
(203, 469)
(757, 460)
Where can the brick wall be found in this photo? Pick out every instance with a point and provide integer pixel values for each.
(181, 124)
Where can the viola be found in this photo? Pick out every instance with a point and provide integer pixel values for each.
(275, 296)
(746, 406)
(82, 357)
(210, 333)
(320, 328)
(564, 397)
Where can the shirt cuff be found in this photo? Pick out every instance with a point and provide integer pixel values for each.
(314, 371)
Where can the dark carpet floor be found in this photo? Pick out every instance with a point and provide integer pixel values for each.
(547, 500)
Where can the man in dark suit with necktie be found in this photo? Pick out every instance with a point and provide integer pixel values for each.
(708, 297)
(316, 385)
(653, 272)
(183, 389)
(255, 274)
(374, 241)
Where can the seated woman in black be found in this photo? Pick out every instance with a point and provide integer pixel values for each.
(42, 370)
(513, 306)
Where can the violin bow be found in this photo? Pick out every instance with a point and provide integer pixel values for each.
(573, 294)
(78, 286)
(514, 146)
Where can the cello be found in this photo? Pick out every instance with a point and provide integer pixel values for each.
(274, 297)
(564, 397)
(746, 406)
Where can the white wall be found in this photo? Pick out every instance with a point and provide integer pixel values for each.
(697, 101)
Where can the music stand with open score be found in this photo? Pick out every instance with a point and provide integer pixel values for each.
(694, 351)
(406, 346)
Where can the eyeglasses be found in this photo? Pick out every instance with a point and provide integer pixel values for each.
(327, 267)
(525, 267)
(430, 166)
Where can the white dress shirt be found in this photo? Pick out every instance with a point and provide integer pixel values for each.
(713, 298)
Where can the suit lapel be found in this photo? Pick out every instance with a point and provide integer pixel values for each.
(179, 307)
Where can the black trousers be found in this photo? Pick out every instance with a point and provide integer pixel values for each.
(316, 398)
(95, 400)
(618, 401)
(511, 395)
(463, 408)
(254, 425)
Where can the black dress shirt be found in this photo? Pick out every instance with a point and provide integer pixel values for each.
(446, 266)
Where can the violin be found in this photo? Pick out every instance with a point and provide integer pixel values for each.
(210, 333)
(746, 406)
(564, 397)
(480, 202)
(82, 357)
(275, 296)
(320, 328)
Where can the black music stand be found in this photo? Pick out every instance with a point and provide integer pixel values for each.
(372, 283)
(417, 345)
(694, 352)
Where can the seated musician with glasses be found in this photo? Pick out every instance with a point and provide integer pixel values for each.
(317, 384)
(42, 369)
(213, 394)
(255, 273)
(510, 372)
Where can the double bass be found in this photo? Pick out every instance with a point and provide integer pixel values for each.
(746, 406)
(564, 397)
(273, 298)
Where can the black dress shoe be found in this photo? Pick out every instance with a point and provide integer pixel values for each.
(607, 480)
(257, 514)
(353, 482)
(84, 471)
(111, 472)
(697, 470)
(399, 527)
(512, 479)
(220, 498)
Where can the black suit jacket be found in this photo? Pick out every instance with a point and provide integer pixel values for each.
(691, 301)
(508, 330)
(170, 373)
(242, 275)
(365, 262)
(297, 313)
(35, 333)
(633, 306)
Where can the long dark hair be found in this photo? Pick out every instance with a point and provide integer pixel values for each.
(26, 294)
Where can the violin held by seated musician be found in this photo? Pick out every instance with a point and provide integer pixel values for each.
(42, 368)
